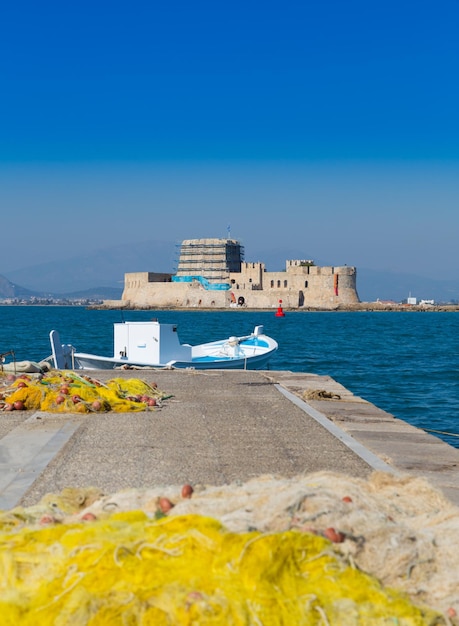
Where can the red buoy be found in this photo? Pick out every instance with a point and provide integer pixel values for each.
(280, 310)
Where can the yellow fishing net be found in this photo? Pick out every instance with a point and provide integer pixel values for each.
(66, 391)
(134, 570)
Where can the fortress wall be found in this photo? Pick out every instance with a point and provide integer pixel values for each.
(251, 276)
(171, 295)
(306, 287)
(135, 280)
(298, 263)
(325, 287)
(301, 285)
(253, 273)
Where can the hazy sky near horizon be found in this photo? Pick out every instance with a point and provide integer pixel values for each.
(329, 127)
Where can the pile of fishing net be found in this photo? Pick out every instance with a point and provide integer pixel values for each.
(320, 549)
(65, 391)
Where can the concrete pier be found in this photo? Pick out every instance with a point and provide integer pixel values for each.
(218, 427)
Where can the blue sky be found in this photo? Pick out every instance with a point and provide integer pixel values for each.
(327, 127)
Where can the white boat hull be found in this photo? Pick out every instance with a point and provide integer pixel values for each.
(135, 344)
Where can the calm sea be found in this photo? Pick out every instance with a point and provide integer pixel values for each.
(406, 363)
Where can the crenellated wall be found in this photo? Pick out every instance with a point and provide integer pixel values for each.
(301, 285)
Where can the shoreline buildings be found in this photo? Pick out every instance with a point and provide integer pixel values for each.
(211, 273)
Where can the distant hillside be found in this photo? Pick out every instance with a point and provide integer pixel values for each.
(105, 268)
(11, 290)
(96, 293)
(373, 285)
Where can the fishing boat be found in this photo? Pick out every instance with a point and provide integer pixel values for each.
(156, 345)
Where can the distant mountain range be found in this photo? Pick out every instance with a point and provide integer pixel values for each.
(9, 290)
(375, 285)
(101, 275)
(97, 276)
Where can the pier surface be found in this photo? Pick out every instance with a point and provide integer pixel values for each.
(218, 427)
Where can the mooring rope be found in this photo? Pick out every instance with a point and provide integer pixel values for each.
(441, 432)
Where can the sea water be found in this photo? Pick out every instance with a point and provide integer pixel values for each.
(406, 363)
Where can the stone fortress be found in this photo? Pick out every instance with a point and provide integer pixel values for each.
(212, 274)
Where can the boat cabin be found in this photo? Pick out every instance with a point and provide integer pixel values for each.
(149, 342)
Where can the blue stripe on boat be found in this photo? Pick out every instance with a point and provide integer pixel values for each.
(202, 359)
(255, 342)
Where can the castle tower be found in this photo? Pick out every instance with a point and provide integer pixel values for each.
(208, 259)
